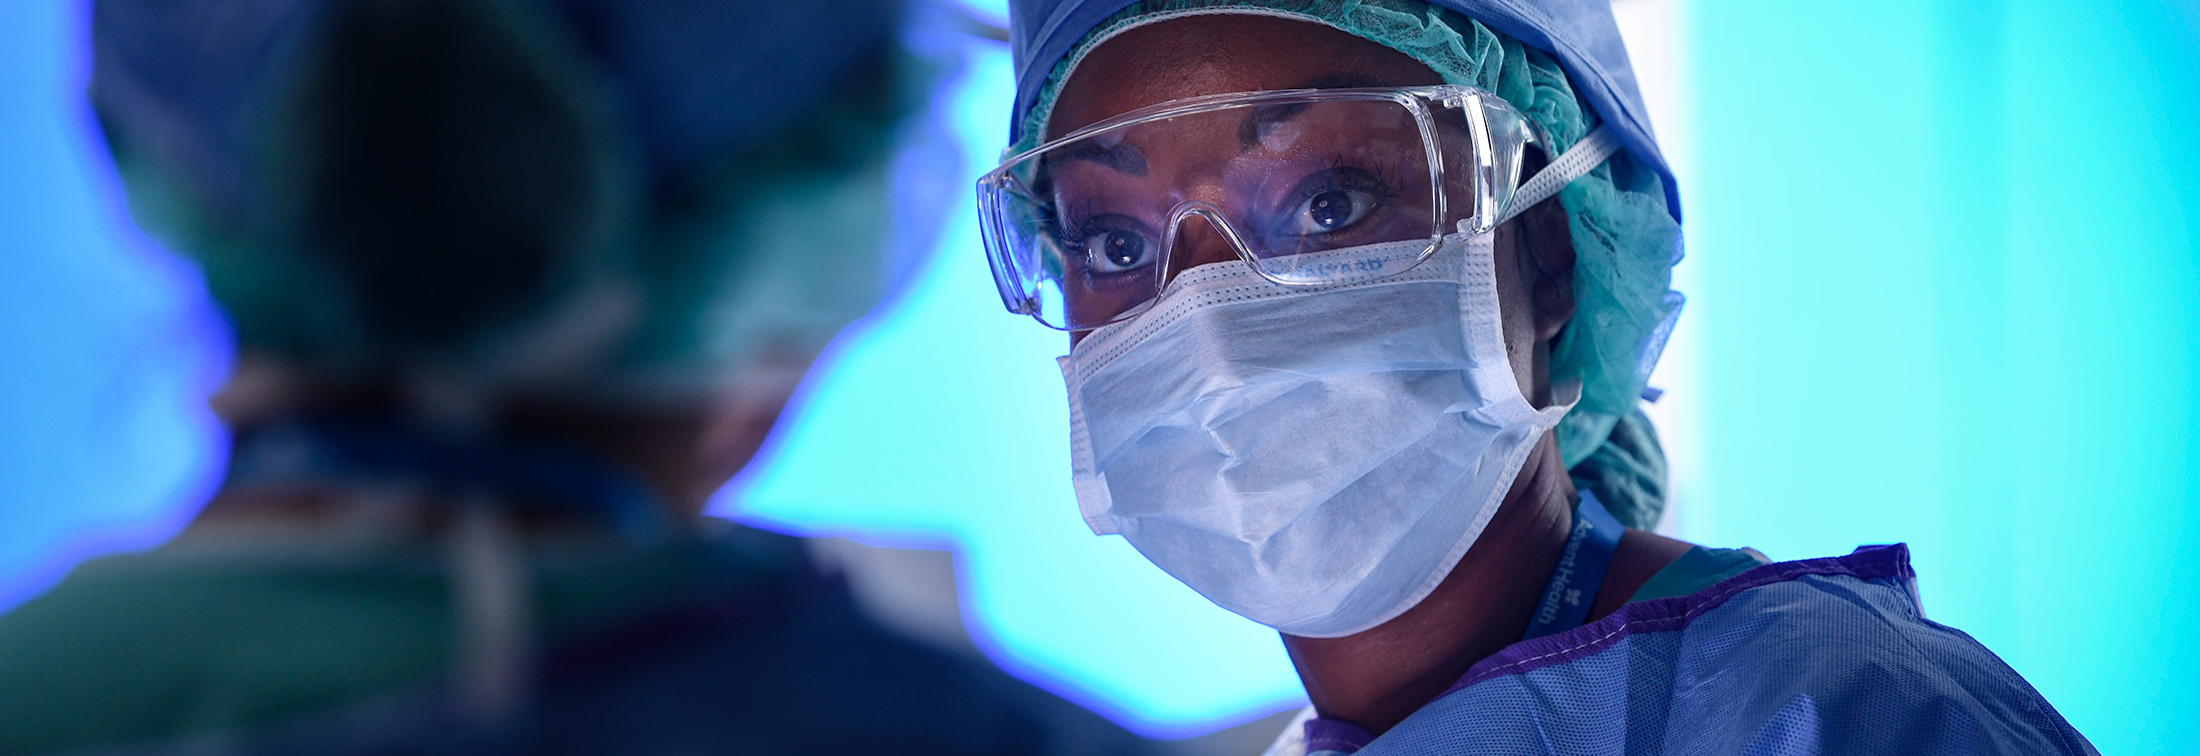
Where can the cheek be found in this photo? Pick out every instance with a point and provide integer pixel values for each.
(1514, 308)
(1458, 174)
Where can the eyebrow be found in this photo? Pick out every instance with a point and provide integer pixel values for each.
(1127, 158)
(1263, 118)
(1343, 81)
(1124, 158)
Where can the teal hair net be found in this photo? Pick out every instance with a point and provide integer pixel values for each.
(1626, 240)
(636, 202)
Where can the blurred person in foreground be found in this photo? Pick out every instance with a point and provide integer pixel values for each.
(516, 286)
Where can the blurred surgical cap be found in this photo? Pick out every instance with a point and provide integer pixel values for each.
(628, 198)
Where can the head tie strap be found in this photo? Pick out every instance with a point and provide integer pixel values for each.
(1584, 157)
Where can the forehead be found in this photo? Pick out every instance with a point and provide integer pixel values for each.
(1221, 53)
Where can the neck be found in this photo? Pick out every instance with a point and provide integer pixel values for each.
(1376, 678)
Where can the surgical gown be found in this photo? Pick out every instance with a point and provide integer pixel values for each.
(1821, 656)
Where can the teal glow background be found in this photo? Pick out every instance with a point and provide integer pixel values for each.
(1948, 296)
(1943, 291)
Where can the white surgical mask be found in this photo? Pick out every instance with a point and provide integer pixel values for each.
(1314, 459)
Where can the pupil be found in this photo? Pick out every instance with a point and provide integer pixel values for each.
(1122, 250)
(1331, 209)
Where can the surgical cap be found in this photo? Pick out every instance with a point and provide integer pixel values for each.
(634, 197)
(1563, 64)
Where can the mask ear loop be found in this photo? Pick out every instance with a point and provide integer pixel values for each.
(1595, 148)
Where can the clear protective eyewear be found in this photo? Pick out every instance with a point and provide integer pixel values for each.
(1312, 187)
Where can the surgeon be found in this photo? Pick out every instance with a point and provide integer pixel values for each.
(515, 286)
(1362, 296)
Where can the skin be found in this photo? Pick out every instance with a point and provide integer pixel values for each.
(684, 452)
(1376, 678)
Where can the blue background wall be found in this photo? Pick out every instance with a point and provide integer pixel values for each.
(107, 345)
(1946, 294)
(1949, 297)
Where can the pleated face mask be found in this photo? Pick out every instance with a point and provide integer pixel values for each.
(1315, 459)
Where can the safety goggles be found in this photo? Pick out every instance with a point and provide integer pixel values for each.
(1311, 187)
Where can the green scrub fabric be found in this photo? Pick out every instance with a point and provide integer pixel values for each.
(196, 640)
(1698, 569)
(729, 644)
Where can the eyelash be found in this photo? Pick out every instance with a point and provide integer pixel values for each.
(1073, 224)
(1382, 183)
(1072, 228)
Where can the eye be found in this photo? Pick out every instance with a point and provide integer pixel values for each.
(1109, 251)
(1331, 211)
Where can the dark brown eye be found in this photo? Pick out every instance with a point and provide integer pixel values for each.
(1331, 211)
(1116, 251)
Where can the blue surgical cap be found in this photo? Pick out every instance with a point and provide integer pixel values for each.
(1565, 66)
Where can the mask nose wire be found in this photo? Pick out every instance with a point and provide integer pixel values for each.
(1215, 220)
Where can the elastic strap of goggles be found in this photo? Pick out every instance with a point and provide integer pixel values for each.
(1584, 157)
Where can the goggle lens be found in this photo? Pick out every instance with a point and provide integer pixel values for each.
(1091, 225)
(1310, 187)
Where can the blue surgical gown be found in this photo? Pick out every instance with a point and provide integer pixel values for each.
(1822, 656)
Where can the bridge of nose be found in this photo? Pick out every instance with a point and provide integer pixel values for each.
(1202, 196)
(1199, 242)
(1209, 184)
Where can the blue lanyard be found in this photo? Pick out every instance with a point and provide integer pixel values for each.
(1580, 570)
